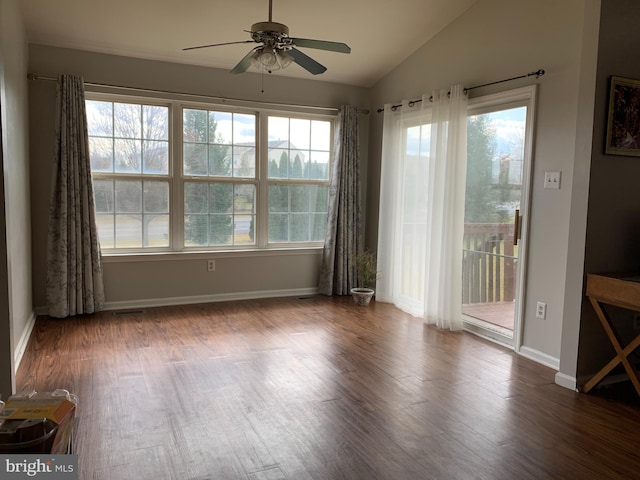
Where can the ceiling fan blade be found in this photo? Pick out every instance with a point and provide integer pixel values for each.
(218, 44)
(322, 45)
(306, 62)
(245, 63)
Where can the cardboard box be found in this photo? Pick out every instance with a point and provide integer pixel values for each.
(37, 423)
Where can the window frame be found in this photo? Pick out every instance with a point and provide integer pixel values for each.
(168, 178)
(177, 179)
(292, 182)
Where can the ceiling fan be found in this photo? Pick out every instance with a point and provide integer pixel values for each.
(277, 50)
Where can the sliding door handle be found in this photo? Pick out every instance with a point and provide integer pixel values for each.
(516, 227)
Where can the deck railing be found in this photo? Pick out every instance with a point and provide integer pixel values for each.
(489, 264)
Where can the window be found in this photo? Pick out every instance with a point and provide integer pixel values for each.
(219, 165)
(129, 148)
(299, 152)
(174, 177)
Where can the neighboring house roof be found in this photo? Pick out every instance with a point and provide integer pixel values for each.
(249, 150)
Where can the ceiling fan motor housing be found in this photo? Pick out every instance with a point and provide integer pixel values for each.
(270, 28)
(272, 35)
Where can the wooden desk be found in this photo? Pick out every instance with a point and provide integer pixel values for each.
(621, 292)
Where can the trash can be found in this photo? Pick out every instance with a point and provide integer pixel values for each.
(37, 423)
(33, 435)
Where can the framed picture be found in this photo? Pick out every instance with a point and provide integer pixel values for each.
(623, 123)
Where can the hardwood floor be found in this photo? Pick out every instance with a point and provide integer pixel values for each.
(317, 388)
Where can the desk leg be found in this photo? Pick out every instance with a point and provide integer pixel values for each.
(621, 354)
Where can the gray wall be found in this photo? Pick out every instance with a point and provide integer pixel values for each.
(613, 221)
(493, 40)
(498, 39)
(16, 306)
(166, 279)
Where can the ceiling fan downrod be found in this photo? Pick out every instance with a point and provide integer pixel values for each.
(270, 28)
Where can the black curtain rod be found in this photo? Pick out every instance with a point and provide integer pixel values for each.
(537, 74)
(34, 76)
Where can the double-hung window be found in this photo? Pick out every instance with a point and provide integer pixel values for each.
(181, 177)
(219, 171)
(129, 149)
(298, 176)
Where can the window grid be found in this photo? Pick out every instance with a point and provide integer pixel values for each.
(219, 214)
(298, 178)
(137, 209)
(129, 153)
(215, 151)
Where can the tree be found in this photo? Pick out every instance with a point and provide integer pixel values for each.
(283, 166)
(504, 191)
(296, 168)
(479, 195)
(220, 214)
(195, 137)
(246, 164)
(130, 139)
(299, 207)
(273, 168)
(315, 171)
(208, 211)
(278, 213)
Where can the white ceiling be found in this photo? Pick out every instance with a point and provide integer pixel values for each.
(381, 33)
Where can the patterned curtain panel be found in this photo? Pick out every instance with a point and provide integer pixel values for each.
(343, 241)
(74, 269)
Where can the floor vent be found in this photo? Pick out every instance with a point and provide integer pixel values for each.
(128, 312)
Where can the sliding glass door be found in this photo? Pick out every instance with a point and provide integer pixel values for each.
(499, 131)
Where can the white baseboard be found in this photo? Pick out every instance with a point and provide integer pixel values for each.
(24, 339)
(540, 357)
(566, 381)
(189, 300)
(223, 297)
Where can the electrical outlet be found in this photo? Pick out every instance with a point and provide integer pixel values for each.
(211, 265)
(541, 310)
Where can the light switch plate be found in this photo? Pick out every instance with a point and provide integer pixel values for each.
(552, 180)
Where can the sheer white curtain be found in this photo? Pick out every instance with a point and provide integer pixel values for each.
(422, 194)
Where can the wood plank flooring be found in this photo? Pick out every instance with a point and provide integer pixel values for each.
(317, 388)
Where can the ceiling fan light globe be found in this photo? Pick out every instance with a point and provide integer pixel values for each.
(255, 58)
(268, 58)
(284, 59)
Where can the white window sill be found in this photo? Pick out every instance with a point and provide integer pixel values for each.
(196, 255)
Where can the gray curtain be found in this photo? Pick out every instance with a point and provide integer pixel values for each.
(74, 269)
(344, 240)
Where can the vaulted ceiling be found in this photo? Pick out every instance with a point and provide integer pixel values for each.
(381, 33)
